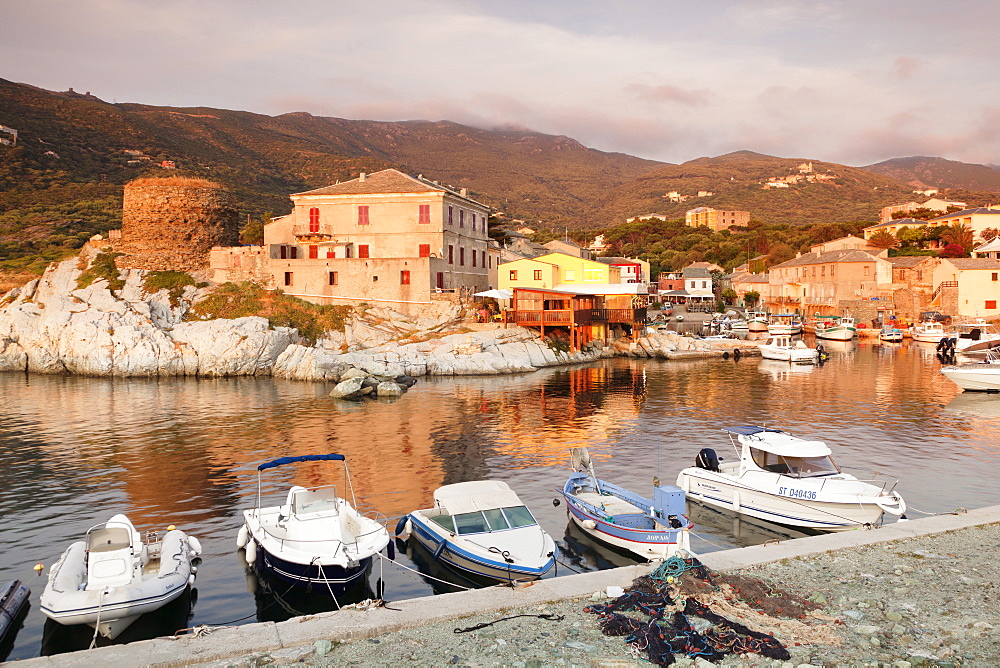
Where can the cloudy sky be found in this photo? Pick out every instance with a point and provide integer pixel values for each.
(853, 82)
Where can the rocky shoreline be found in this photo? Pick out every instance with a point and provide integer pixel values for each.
(51, 325)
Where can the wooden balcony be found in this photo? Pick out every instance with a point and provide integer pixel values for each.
(581, 317)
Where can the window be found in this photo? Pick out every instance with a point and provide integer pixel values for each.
(451, 215)
(461, 257)
(425, 250)
(473, 222)
(363, 250)
(404, 278)
(314, 220)
(374, 279)
(704, 285)
(474, 258)
(833, 267)
(538, 274)
(425, 213)
(593, 275)
(920, 275)
(569, 275)
(451, 254)
(995, 275)
(288, 278)
(867, 269)
(283, 252)
(348, 252)
(991, 304)
(295, 252)
(513, 274)
(461, 217)
(822, 271)
(313, 252)
(332, 278)
(362, 215)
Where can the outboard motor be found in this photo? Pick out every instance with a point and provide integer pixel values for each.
(707, 459)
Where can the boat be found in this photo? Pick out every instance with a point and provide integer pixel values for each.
(739, 325)
(834, 328)
(14, 606)
(783, 348)
(929, 331)
(653, 529)
(972, 338)
(315, 537)
(890, 334)
(481, 527)
(788, 480)
(756, 321)
(115, 575)
(783, 323)
(983, 376)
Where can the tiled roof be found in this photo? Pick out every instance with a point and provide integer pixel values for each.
(964, 263)
(615, 260)
(386, 181)
(968, 212)
(696, 272)
(898, 221)
(846, 255)
(906, 261)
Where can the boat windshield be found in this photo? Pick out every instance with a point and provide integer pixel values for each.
(496, 519)
(802, 467)
(314, 500)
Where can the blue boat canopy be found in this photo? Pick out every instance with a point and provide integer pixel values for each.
(749, 430)
(303, 458)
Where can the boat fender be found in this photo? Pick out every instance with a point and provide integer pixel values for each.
(391, 550)
(439, 550)
(589, 524)
(707, 459)
(894, 505)
(251, 552)
(403, 527)
(242, 537)
(195, 545)
(191, 580)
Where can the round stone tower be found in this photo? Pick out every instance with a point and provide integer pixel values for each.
(170, 224)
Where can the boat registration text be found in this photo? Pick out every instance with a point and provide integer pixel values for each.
(796, 493)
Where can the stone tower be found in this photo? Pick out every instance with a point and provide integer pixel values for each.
(170, 224)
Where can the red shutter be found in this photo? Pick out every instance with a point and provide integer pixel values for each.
(363, 250)
(425, 250)
(314, 220)
(313, 252)
(362, 215)
(404, 278)
(295, 252)
(425, 213)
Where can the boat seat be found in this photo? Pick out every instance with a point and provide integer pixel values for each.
(109, 557)
(612, 505)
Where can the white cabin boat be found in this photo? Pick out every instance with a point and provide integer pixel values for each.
(974, 338)
(788, 480)
(890, 334)
(756, 321)
(929, 331)
(833, 328)
(482, 527)
(112, 577)
(315, 538)
(981, 377)
(783, 348)
(784, 323)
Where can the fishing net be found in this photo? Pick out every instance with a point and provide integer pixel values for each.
(681, 591)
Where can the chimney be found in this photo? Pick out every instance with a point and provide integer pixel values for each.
(464, 192)
(362, 177)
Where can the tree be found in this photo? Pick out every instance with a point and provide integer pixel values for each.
(990, 233)
(953, 250)
(729, 295)
(911, 236)
(780, 253)
(751, 297)
(252, 233)
(959, 234)
(883, 239)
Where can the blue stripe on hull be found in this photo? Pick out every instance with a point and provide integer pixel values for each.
(303, 574)
(638, 536)
(496, 570)
(771, 516)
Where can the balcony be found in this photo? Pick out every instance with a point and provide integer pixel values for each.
(588, 316)
(312, 233)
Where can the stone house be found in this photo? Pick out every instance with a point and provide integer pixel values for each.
(912, 283)
(384, 238)
(828, 282)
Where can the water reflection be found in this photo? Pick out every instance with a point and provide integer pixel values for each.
(74, 451)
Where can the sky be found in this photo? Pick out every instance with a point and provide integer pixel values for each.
(852, 81)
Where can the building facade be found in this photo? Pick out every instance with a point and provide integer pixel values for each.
(716, 219)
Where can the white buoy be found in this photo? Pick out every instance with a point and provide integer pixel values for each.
(242, 537)
(251, 552)
(195, 544)
(589, 524)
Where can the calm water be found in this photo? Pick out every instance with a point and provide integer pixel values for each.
(74, 451)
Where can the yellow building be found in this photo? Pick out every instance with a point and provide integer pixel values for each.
(557, 271)
(977, 220)
(716, 219)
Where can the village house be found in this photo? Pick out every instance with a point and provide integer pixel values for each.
(384, 238)
(912, 283)
(967, 287)
(568, 247)
(892, 226)
(744, 282)
(990, 249)
(934, 204)
(977, 220)
(716, 219)
(633, 270)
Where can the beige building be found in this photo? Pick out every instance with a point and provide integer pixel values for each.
(384, 238)
(967, 287)
(716, 219)
(934, 204)
(977, 220)
(829, 282)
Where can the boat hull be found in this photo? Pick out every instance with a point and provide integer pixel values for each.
(647, 544)
(835, 334)
(974, 377)
(336, 577)
(727, 492)
(798, 356)
(466, 560)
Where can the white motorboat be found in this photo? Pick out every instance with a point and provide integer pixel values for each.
(890, 334)
(482, 527)
(650, 528)
(783, 348)
(973, 338)
(834, 328)
(113, 576)
(756, 321)
(784, 323)
(981, 377)
(929, 331)
(788, 480)
(315, 537)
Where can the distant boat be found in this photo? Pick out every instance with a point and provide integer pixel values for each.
(315, 538)
(113, 576)
(890, 334)
(835, 328)
(482, 527)
(981, 377)
(650, 528)
(929, 331)
(784, 323)
(756, 321)
(783, 348)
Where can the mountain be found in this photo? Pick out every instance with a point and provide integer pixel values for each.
(922, 172)
(774, 190)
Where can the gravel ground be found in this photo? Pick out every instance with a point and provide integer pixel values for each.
(933, 600)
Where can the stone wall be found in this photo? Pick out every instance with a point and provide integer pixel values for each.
(171, 224)
(236, 264)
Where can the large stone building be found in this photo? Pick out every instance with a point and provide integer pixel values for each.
(716, 219)
(384, 238)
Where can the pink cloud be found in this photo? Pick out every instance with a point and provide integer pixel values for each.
(905, 67)
(667, 93)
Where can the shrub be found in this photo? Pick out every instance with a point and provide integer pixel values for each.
(173, 282)
(102, 266)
